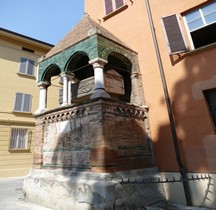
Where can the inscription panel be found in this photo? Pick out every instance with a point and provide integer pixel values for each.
(83, 88)
(114, 83)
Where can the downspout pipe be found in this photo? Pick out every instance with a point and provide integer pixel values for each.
(171, 119)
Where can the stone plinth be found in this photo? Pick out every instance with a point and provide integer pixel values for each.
(63, 190)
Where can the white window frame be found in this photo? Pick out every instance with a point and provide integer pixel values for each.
(19, 138)
(188, 33)
(113, 5)
(187, 28)
(27, 65)
(23, 95)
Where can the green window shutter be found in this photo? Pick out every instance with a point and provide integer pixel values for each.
(174, 35)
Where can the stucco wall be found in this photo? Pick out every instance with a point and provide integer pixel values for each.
(186, 76)
(16, 162)
(201, 185)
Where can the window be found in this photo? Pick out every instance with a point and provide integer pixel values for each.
(26, 66)
(174, 35)
(201, 25)
(211, 101)
(112, 5)
(19, 138)
(22, 102)
(27, 49)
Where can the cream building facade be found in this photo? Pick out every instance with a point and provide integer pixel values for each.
(19, 56)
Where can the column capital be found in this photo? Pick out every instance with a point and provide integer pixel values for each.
(43, 84)
(68, 75)
(98, 62)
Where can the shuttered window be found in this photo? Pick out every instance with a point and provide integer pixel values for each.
(211, 101)
(23, 102)
(19, 138)
(26, 66)
(175, 39)
(112, 5)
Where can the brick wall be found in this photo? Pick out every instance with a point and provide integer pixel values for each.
(99, 136)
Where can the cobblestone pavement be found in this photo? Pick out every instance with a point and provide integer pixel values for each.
(11, 195)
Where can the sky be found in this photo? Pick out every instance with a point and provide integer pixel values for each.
(46, 20)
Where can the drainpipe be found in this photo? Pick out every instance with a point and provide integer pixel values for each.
(172, 124)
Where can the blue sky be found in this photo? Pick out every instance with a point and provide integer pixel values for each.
(45, 20)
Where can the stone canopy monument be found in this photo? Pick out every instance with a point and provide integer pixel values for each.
(99, 136)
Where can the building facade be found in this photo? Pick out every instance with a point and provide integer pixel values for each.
(178, 40)
(19, 55)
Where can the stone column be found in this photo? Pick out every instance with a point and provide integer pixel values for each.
(137, 96)
(42, 96)
(66, 88)
(98, 65)
(69, 92)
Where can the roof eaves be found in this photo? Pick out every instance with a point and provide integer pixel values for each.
(25, 37)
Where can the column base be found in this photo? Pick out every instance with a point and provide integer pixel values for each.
(63, 104)
(40, 111)
(100, 93)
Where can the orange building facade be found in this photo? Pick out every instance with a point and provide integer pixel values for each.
(185, 34)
